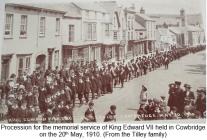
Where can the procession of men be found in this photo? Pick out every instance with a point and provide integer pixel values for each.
(54, 94)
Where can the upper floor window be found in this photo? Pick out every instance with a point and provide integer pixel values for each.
(87, 14)
(104, 15)
(124, 35)
(107, 30)
(115, 35)
(132, 25)
(128, 35)
(129, 25)
(23, 26)
(114, 22)
(42, 26)
(57, 28)
(95, 15)
(91, 31)
(8, 25)
(132, 37)
(71, 33)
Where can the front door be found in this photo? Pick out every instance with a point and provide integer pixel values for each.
(5, 69)
(49, 60)
(40, 62)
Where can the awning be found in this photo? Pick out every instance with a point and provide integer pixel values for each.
(81, 46)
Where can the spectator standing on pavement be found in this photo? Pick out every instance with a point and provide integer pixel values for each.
(143, 95)
(111, 115)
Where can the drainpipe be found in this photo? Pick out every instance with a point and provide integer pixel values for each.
(37, 39)
(2, 8)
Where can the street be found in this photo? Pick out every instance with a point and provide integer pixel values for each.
(189, 69)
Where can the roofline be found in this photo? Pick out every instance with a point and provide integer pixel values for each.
(130, 11)
(150, 19)
(165, 15)
(90, 9)
(34, 8)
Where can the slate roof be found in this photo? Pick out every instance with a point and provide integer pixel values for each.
(91, 6)
(145, 17)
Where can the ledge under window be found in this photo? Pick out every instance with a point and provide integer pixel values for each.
(8, 37)
(41, 35)
(22, 36)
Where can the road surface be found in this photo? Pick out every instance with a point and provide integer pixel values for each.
(189, 69)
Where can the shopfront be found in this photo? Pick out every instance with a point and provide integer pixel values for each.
(5, 65)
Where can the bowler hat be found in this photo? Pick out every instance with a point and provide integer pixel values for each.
(162, 97)
(177, 82)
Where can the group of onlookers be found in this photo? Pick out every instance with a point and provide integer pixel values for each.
(53, 94)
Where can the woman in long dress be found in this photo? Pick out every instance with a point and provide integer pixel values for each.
(143, 95)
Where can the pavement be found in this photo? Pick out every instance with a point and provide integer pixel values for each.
(190, 69)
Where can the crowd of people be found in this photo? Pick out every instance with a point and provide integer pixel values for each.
(53, 94)
(182, 103)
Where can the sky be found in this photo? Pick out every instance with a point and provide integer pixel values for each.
(151, 6)
(168, 6)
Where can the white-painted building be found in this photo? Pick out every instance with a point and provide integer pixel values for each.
(116, 46)
(165, 39)
(150, 30)
(130, 22)
(32, 39)
(91, 28)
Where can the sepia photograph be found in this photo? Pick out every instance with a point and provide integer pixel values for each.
(99, 61)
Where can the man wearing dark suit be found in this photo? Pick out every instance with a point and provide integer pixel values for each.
(81, 89)
(87, 89)
(72, 82)
(93, 86)
(180, 100)
(189, 95)
(122, 76)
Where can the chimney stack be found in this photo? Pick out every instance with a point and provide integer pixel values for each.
(183, 17)
(142, 11)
